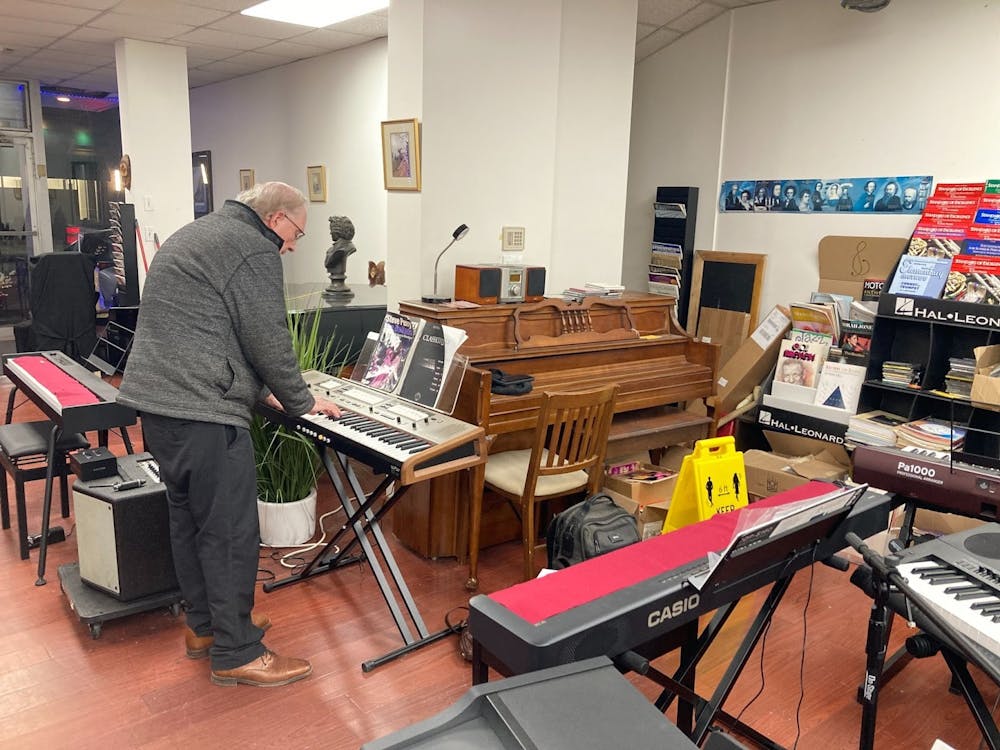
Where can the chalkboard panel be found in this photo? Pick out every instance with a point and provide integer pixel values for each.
(727, 286)
(725, 281)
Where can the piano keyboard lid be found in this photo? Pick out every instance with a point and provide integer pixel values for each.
(540, 599)
(49, 378)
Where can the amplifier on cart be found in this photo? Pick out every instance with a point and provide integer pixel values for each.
(123, 532)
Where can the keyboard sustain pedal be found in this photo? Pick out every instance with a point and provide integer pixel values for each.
(56, 534)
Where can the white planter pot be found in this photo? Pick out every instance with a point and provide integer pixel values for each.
(287, 524)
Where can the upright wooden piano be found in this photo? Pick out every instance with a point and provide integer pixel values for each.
(634, 341)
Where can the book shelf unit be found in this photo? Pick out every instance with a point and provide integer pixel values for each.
(927, 332)
(679, 231)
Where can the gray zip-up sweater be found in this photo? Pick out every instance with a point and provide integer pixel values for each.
(212, 331)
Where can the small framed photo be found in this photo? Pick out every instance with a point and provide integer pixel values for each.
(316, 180)
(401, 154)
(246, 179)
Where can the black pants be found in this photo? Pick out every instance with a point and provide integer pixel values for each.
(208, 470)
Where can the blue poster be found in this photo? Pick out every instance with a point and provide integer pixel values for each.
(881, 195)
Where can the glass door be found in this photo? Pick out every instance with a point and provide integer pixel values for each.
(18, 233)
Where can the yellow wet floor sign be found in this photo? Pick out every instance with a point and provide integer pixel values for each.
(712, 480)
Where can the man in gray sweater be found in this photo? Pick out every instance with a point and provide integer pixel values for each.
(212, 340)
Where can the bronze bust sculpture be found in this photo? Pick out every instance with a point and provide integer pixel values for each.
(341, 232)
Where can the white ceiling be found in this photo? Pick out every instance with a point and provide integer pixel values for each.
(70, 43)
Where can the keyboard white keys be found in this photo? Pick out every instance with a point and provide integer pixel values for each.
(968, 601)
(372, 433)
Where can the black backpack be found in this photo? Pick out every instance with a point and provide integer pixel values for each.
(590, 528)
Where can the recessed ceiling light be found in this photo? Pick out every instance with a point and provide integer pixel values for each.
(315, 13)
(63, 99)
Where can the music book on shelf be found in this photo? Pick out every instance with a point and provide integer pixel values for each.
(817, 317)
(800, 362)
(840, 385)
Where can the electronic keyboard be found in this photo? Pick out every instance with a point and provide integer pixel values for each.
(66, 392)
(389, 434)
(958, 576)
(931, 478)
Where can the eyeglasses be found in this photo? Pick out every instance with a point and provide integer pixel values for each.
(299, 234)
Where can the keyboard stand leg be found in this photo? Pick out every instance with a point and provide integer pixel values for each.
(361, 519)
(892, 664)
(10, 405)
(43, 546)
(691, 655)
(707, 715)
(973, 698)
(879, 622)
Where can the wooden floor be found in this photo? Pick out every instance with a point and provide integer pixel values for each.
(134, 688)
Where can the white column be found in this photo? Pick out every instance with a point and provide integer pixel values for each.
(156, 134)
(525, 109)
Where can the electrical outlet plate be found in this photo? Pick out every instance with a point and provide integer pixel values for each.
(513, 239)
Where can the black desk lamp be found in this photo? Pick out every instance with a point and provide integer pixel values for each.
(435, 299)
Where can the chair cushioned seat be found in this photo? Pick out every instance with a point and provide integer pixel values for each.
(21, 439)
(508, 470)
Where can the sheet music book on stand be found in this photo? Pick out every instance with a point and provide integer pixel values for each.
(791, 526)
(416, 360)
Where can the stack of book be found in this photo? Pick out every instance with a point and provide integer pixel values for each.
(958, 381)
(874, 428)
(665, 263)
(954, 252)
(592, 289)
(932, 434)
(668, 210)
(901, 373)
(816, 317)
(604, 289)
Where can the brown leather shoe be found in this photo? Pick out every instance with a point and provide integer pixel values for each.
(269, 670)
(198, 645)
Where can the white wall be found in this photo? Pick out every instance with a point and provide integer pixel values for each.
(592, 142)
(525, 122)
(677, 119)
(156, 134)
(816, 90)
(490, 94)
(324, 110)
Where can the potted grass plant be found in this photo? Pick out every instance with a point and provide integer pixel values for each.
(287, 462)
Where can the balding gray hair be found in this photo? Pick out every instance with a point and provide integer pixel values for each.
(268, 198)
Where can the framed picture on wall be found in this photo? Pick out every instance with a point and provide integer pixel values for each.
(246, 179)
(401, 154)
(316, 180)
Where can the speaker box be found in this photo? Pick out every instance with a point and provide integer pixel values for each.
(479, 284)
(123, 537)
(534, 284)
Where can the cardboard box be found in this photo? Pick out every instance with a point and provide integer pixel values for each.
(752, 361)
(797, 445)
(649, 517)
(644, 491)
(986, 389)
(792, 462)
(932, 522)
(727, 328)
(846, 262)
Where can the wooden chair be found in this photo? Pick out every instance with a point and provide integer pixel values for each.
(567, 457)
